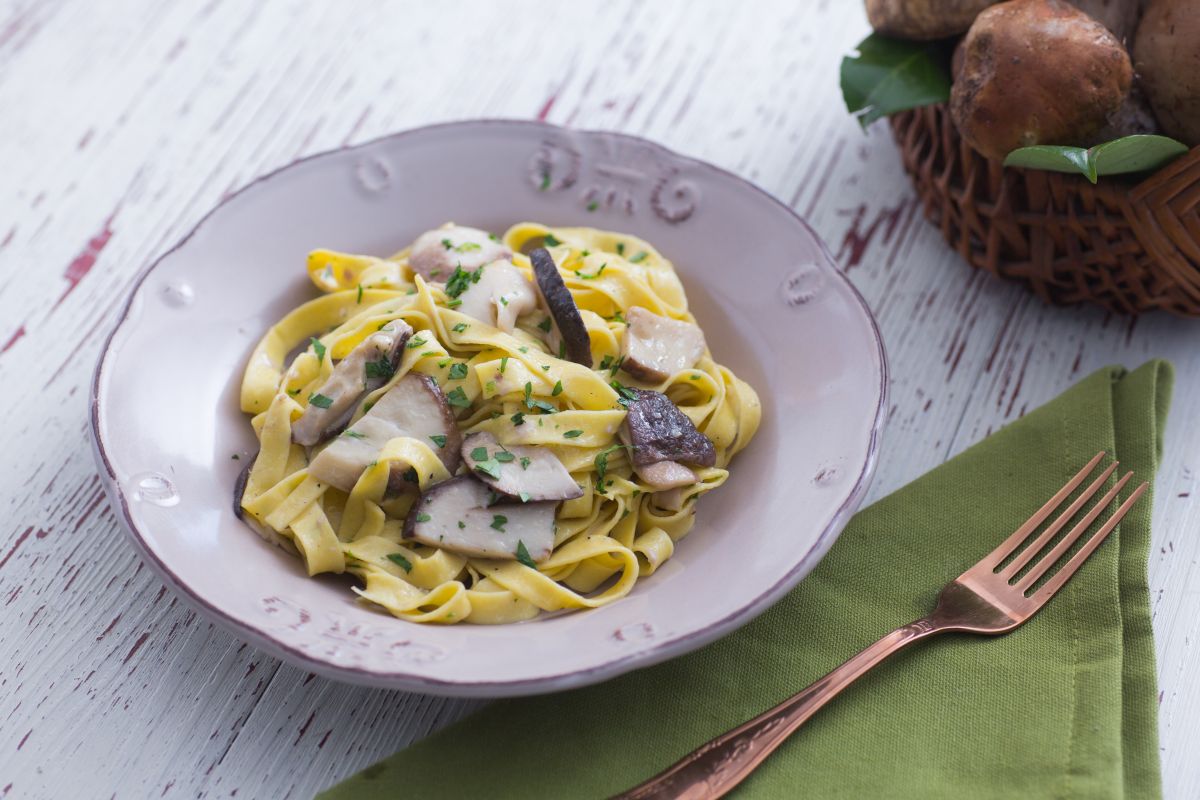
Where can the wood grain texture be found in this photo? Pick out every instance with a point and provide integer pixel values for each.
(127, 121)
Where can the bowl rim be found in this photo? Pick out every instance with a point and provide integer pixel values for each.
(400, 678)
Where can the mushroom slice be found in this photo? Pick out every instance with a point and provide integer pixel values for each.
(455, 515)
(364, 369)
(656, 347)
(500, 296)
(530, 473)
(415, 407)
(239, 487)
(436, 253)
(661, 432)
(663, 475)
(567, 319)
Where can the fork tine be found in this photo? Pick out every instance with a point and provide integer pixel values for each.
(1051, 558)
(994, 558)
(1028, 553)
(1055, 583)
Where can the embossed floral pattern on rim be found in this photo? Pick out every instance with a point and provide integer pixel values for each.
(656, 648)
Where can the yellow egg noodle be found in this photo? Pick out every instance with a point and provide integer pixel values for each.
(620, 528)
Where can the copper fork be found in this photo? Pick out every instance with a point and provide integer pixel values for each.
(992, 597)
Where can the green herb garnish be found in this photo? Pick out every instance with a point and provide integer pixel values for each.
(353, 435)
(320, 401)
(575, 434)
(467, 247)
(399, 560)
(438, 439)
(458, 371)
(318, 348)
(379, 369)
(479, 454)
(460, 327)
(551, 240)
(558, 389)
(523, 555)
(525, 462)
(504, 457)
(518, 418)
(423, 517)
(524, 497)
(498, 522)
(544, 325)
(503, 364)
(457, 397)
(460, 280)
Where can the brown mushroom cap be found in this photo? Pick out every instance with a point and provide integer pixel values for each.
(1167, 56)
(562, 307)
(1037, 72)
(923, 19)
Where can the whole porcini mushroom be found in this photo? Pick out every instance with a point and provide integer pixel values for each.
(923, 20)
(1037, 72)
(1167, 55)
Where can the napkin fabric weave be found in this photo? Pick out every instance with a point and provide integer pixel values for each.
(1063, 707)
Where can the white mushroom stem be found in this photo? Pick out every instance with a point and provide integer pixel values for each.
(436, 253)
(368, 366)
(501, 296)
(657, 347)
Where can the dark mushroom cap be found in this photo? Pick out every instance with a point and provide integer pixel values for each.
(562, 307)
(659, 431)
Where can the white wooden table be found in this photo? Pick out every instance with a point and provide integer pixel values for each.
(124, 122)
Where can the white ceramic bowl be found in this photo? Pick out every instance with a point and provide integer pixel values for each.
(166, 423)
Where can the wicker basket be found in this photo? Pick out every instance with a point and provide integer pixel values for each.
(1129, 246)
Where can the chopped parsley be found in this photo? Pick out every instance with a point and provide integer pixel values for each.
(461, 280)
(400, 561)
(523, 555)
(616, 367)
(545, 180)
(460, 327)
(379, 369)
(416, 342)
(461, 524)
(423, 517)
(359, 298)
(518, 418)
(458, 371)
(557, 389)
(467, 247)
(490, 387)
(525, 462)
(592, 206)
(504, 457)
(438, 439)
(498, 522)
(620, 248)
(601, 462)
(489, 467)
(353, 435)
(446, 243)
(574, 434)
(235, 456)
(551, 240)
(410, 475)
(455, 303)
(320, 401)
(639, 256)
(606, 362)
(524, 497)
(479, 454)
(319, 349)
(457, 397)
(625, 395)
(596, 274)
(544, 325)
(562, 349)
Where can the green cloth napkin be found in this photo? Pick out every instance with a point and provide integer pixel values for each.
(1063, 707)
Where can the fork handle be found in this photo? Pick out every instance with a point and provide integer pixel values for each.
(715, 768)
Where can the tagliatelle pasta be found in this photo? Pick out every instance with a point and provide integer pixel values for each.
(517, 387)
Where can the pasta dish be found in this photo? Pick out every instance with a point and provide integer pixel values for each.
(484, 428)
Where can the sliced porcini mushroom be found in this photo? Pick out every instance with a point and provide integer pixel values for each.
(415, 407)
(660, 432)
(455, 515)
(436, 253)
(665, 475)
(368, 366)
(239, 486)
(500, 295)
(561, 305)
(518, 471)
(656, 347)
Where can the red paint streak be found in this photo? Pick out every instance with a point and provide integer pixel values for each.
(1185, 494)
(324, 739)
(549, 104)
(87, 137)
(12, 596)
(89, 511)
(12, 340)
(357, 126)
(855, 242)
(141, 640)
(7, 788)
(23, 739)
(41, 533)
(825, 176)
(176, 49)
(78, 269)
(1020, 381)
(167, 788)
(304, 728)
(108, 630)
(9, 237)
(307, 680)
(20, 540)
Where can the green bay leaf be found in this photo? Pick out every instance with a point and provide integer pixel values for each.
(1137, 153)
(889, 75)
